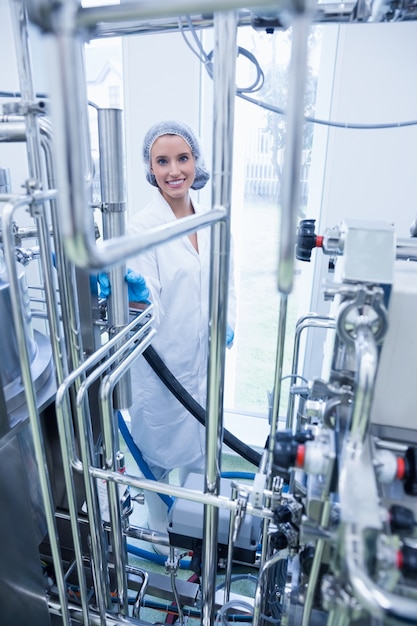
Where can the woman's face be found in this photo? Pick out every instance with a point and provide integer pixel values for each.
(173, 166)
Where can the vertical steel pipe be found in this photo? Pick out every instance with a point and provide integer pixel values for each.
(225, 29)
(113, 198)
(279, 360)
(69, 108)
(111, 448)
(27, 92)
(30, 394)
(312, 320)
(16, 131)
(293, 148)
(33, 148)
(66, 278)
(367, 362)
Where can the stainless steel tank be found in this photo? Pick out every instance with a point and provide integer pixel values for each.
(38, 346)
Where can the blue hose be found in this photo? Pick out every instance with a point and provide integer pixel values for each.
(140, 461)
(241, 475)
(152, 556)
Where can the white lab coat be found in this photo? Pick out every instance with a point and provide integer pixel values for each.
(178, 279)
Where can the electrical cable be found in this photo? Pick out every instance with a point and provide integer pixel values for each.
(186, 399)
(315, 120)
(207, 60)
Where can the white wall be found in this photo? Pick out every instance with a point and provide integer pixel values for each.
(162, 81)
(367, 76)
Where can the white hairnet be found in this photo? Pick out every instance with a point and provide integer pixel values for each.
(173, 127)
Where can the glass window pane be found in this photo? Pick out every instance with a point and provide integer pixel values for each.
(259, 155)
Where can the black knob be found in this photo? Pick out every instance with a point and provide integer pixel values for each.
(410, 478)
(282, 514)
(401, 518)
(409, 561)
(306, 240)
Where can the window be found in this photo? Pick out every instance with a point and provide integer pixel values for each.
(259, 156)
(115, 99)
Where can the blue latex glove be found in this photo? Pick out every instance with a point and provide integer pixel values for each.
(230, 335)
(104, 284)
(137, 289)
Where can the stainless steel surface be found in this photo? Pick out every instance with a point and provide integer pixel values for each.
(223, 117)
(21, 582)
(10, 369)
(32, 406)
(113, 198)
(301, 21)
(312, 320)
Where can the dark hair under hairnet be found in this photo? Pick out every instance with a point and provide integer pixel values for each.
(174, 127)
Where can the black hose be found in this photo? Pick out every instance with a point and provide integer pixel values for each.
(169, 380)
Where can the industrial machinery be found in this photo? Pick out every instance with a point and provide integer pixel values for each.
(328, 522)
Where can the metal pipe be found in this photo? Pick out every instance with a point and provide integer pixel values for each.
(381, 604)
(21, 38)
(327, 13)
(320, 544)
(66, 272)
(11, 132)
(111, 440)
(293, 146)
(279, 360)
(146, 534)
(113, 197)
(141, 593)
(311, 320)
(230, 546)
(177, 492)
(102, 22)
(61, 369)
(161, 25)
(64, 418)
(21, 31)
(88, 365)
(88, 17)
(63, 336)
(30, 393)
(95, 618)
(367, 361)
(406, 248)
(15, 130)
(87, 456)
(225, 49)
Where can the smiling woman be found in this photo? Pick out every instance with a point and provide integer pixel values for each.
(177, 275)
(173, 167)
